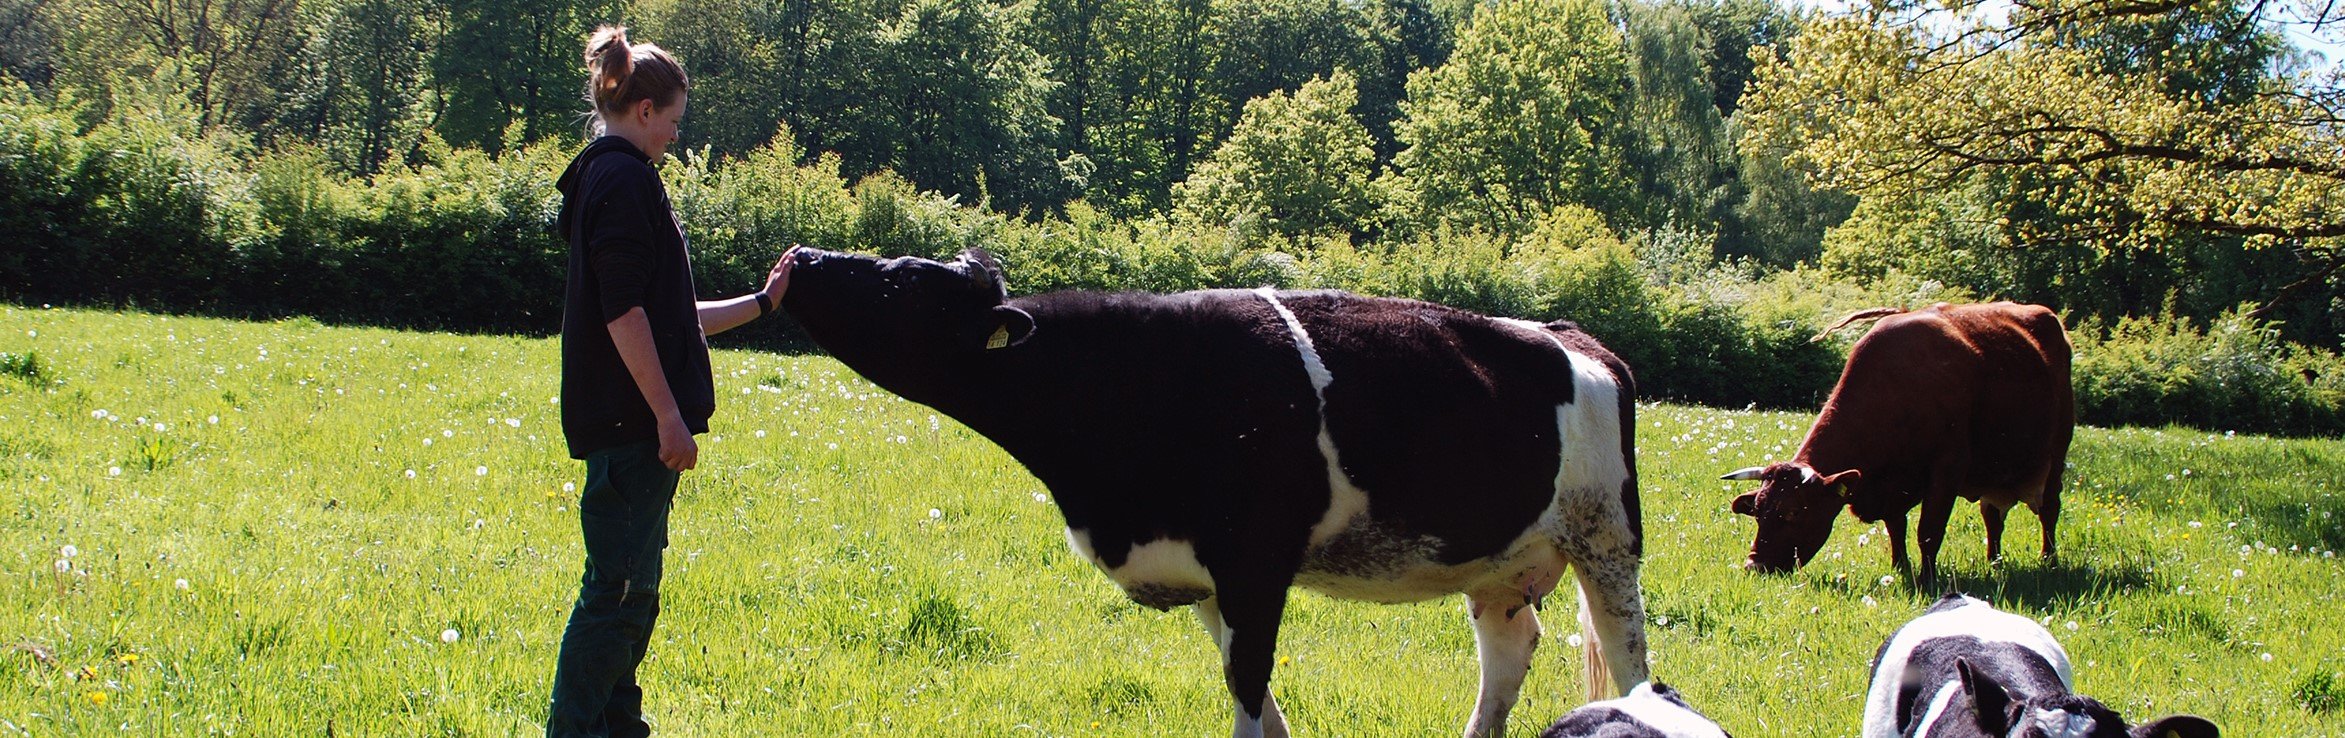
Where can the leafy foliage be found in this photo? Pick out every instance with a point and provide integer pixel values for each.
(1299, 163)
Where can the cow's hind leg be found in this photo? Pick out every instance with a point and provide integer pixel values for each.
(1506, 631)
(1612, 618)
(1246, 646)
(1993, 517)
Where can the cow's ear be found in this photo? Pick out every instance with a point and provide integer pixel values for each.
(1012, 326)
(1991, 705)
(1839, 483)
(2178, 726)
(1747, 503)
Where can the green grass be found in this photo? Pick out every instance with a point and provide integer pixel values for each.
(812, 590)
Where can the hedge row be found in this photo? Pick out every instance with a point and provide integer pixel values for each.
(129, 212)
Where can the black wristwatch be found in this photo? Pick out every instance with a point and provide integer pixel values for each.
(764, 304)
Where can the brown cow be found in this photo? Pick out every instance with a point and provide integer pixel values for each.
(1969, 401)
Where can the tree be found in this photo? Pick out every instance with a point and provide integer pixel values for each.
(217, 54)
(957, 105)
(28, 41)
(513, 65)
(1299, 163)
(1524, 117)
(363, 83)
(2120, 125)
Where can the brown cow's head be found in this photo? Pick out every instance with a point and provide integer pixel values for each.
(1795, 507)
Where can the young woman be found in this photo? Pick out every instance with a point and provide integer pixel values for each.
(636, 385)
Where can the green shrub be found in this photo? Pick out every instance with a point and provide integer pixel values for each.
(2236, 374)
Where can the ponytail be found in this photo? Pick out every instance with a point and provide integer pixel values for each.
(619, 74)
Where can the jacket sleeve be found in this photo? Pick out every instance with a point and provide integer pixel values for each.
(618, 238)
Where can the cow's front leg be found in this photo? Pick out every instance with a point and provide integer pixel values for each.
(1895, 524)
(1246, 658)
(1992, 516)
(1506, 631)
(1932, 533)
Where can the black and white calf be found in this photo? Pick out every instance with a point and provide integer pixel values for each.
(1215, 448)
(1650, 710)
(1967, 670)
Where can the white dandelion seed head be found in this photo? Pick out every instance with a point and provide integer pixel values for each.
(569, 486)
(427, 441)
(480, 471)
(2237, 573)
(935, 514)
(513, 422)
(1888, 579)
(1573, 640)
(113, 471)
(214, 420)
(1040, 497)
(761, 433)
(2195, 524)
(179, 584)
(2267, 657)
(411, 474)
(160, 427)
(450, 635)
(68, 551)
(447, 433)
(64, 566)
(2071, 626)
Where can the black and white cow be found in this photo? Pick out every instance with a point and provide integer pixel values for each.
(1651, 710)
(1214, 448)
(1967, 670)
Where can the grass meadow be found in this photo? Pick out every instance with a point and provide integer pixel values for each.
(286, 529)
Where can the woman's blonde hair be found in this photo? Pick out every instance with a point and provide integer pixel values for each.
(619, 74)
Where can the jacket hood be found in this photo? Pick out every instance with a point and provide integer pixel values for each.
(575, 175)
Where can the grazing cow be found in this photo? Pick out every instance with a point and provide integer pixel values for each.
(1967, 670)
(1651, 710)
(1968, 401)
(1213, 448)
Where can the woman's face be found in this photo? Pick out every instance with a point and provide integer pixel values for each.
(651, 127)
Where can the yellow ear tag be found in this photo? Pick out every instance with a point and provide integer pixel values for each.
(1841, 489)
(1000, 339)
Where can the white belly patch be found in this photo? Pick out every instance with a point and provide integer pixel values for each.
(1162, 574)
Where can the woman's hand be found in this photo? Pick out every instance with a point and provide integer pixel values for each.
(777, 281)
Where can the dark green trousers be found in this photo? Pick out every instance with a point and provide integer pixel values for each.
(624, 515)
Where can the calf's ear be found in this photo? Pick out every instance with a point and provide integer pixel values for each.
(2177, 726)
(1747, 503)
(1991, 706)
(1012, 326)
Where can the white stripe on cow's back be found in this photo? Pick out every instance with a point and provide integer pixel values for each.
(1590, 421)
(1345, 501)
(1663, 715)
(1938, 705)
(1974, 618)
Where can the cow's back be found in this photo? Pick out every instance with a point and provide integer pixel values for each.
(1989, 382)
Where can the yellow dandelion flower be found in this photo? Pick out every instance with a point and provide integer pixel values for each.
(126, 659)
(95, 697)
(86, 673)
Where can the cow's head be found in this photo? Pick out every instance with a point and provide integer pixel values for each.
(1984, 708)
(898, 320)
(1795, 507)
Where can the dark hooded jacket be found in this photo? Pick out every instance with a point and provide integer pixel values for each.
(626, 251)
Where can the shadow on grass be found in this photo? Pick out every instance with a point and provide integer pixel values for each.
(2020, 583)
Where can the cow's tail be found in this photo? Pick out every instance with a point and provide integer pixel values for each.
(1860, 316)
(1599, 674)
